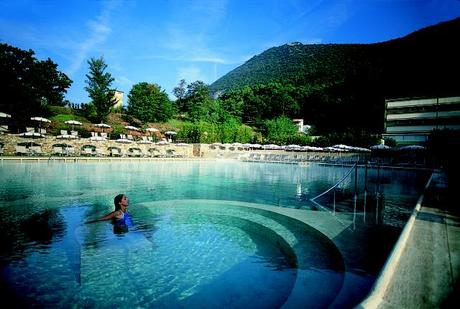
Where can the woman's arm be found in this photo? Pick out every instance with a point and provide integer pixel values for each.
(106, 217)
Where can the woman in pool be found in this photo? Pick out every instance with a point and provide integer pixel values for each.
(120, 217)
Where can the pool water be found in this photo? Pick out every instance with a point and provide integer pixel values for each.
(190, 246)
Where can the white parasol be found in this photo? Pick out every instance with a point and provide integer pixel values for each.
(73, 123)
(102, 125)
(132, 128)
(40, 120)
(412, 147)
(380, 147)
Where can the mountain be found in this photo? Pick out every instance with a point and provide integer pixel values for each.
(419, 64)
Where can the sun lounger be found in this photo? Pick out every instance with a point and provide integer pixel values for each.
(88, 151)
(35, 150)
(74, 133)
(21, 150)
(69, 151)
(171, 153)
(115, 152)
(134, 152)
(58, 150)
(155, 153)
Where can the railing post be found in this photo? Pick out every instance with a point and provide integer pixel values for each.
(333, 212)
(365, 191)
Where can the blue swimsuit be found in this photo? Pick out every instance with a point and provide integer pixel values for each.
(123, 222)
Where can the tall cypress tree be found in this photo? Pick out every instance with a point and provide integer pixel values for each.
(99, 82)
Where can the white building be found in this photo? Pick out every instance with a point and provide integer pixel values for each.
(411, 121)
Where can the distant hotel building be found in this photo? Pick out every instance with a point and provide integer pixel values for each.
(302, 127)
(410, 121)
(119, 99)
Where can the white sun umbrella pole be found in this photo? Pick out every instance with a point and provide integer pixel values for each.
(102, 126)
(170, 133)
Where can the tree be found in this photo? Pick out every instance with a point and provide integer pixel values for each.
(29, 85)
(99, 81)
(179, 93)
(149, 103)
(280, 130)
(199, 105)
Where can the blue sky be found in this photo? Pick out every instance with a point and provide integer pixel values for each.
(162, 42)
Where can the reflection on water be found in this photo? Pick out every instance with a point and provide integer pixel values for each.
(43, 207)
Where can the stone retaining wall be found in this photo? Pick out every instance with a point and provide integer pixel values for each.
(10, 142)
(206, 151)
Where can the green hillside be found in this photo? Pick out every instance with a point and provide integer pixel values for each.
(420, 64)
(320, 64)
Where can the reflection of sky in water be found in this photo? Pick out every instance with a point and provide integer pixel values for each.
(47, 184)
(64, 195)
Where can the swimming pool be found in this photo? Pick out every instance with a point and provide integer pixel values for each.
(195, 241)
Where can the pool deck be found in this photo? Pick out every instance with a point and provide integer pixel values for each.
(423, 270)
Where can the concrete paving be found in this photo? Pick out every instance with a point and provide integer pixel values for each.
(425, 271)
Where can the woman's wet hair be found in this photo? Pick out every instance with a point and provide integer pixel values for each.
(117, 201)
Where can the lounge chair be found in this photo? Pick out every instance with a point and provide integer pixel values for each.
(144, 140)
(35, 150)
(171, 153)
(100, 153)
(69, 151)
(74, 133)
(155, 153)
(115, 152)
(134, 152)
(66, 135)
(88, 151)
(58, 150)
(21, 150)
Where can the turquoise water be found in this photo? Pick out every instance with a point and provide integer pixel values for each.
(189, 247)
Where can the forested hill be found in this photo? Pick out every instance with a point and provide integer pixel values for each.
(419, 64)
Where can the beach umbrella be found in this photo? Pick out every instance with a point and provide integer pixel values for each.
(412, 147)
(271, 147)
(102, 126)
(31, 134)
(40, 120)
(380, 147)
(152, 130)
(132, 128)
(170, 133)
(4, 115)
(73, 123)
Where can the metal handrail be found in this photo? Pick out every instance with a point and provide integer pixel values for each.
(338, 183)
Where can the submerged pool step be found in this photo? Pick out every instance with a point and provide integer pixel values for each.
(317, 259)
